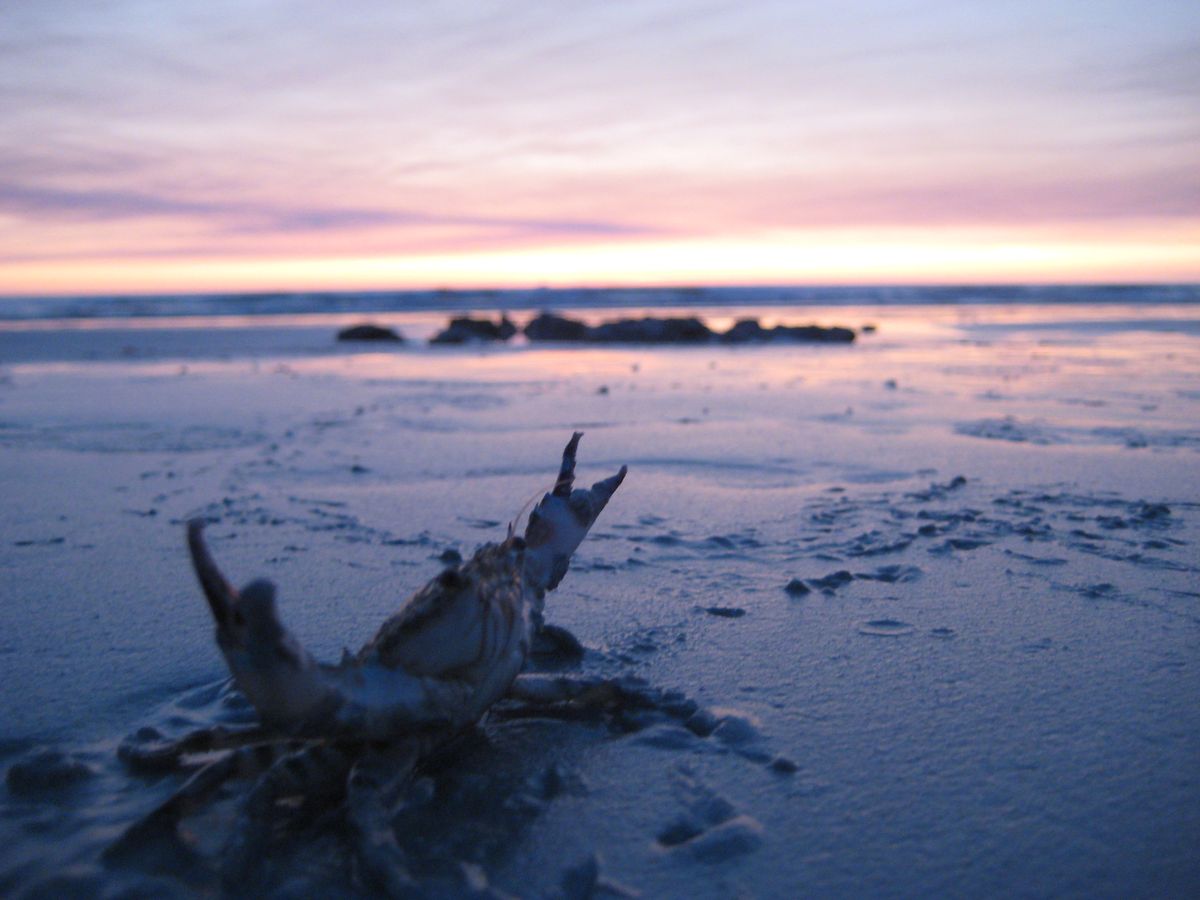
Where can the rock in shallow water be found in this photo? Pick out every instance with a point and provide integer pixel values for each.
(369, 332)
(749, 331)
(549, 327)
(464, 329)
(651, 330)
(677, 330)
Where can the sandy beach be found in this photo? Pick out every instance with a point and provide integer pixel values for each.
(938, 588)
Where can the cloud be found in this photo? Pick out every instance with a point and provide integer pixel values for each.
(218, 227)
(95, 205)
(325, 219)
(1003, 199)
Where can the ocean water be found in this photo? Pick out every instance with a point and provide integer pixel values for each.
(361, 302)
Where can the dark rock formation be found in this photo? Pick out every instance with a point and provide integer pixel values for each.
(748, 331)
(833, 335)
(464, 329)
(549, 327)
(652, 330)
(368, 332)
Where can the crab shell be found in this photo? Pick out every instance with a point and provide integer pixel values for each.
(450, 651)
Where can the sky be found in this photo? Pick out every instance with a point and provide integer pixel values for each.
(166, 146)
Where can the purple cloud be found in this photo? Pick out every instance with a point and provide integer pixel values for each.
(47, 203)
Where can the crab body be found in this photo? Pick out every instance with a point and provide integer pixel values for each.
(450, 654)
(451, 651)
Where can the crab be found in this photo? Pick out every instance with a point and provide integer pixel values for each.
(355, 733)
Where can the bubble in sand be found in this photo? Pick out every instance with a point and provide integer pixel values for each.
(885, 628)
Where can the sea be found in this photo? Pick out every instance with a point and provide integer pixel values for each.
(130, 306)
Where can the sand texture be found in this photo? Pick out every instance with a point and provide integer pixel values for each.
(932, 598)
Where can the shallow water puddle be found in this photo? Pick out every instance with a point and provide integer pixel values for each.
(885, 628)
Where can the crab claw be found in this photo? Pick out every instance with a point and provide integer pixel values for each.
(269, 665)
(566, 473)
(559, 523)
(221, 595)
(602, 491)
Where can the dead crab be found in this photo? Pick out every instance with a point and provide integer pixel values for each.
(351, 735)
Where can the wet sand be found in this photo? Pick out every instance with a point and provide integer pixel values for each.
(938, 588)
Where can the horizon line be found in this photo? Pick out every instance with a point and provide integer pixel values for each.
(612, 287)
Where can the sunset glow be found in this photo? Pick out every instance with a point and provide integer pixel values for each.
(168, 147)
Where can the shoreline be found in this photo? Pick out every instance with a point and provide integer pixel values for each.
(470, 301)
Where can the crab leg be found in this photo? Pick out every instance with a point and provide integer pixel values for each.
(555, 643)
(538, 688)
(162, 823)
(314, 772)
(373, 784)
(160, 755)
